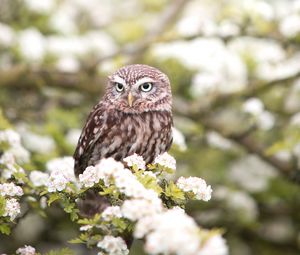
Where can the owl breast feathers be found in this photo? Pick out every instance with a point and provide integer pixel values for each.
(134, 116)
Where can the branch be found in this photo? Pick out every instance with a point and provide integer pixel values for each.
(24, 77)
(246, 141)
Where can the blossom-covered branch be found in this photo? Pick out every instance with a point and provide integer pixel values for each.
(144, 203)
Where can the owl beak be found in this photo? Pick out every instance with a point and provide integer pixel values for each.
(130, 99)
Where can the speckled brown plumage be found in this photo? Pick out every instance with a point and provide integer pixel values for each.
(122, 124)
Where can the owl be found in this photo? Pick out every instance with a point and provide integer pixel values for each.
(134, 116)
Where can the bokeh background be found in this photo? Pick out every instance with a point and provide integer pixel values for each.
(234, 66)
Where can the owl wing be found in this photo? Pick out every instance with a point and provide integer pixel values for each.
(91, 132)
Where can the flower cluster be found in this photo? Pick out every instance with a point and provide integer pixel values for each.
(135, 209)
(197, 186)
(113, 246)
(39, 178)
(135, 160)
(166, 160)
(141, 200)
(166, 231)
(12, 208)
(61, 173)
(8, 192)
(111, 212)
(170, 231)
(14, 153)
(26, 250)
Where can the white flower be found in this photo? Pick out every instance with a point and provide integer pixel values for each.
(196, 185)
(251, 173)
(20, 153)
(290, 26)
(65, 165)
(149, 173)
(228, 28)
(223, 68)
(38, 178)
(295, 119)
(179, 139)
(170, 233)
(68, 64)
(57, 181)
(85, 227)
(43, 144)
(239, 202)
(10, 136)
(32, 44)
(215, 245)
(253, 106)
(43, 202)
(89, 177)
(113, 245)
(10, 189)
(44, 6)
(166, 160)
(26, 250)
(73, 136)
(127, 183)
(67, 46)
(63, 19)
(143, 226)
(107, 168)
(136, 209)
(259, 50)
(100, 43)
(6, 35)
(111, 212)
(135, 160)
(12, 208)
(214, 139)
(266, 120)
(8, 160)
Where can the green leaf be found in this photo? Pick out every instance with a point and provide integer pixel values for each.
(64, 251)
(76, 241)
(5, 228)
(44, 193)
(2, 205)
(92, 221)
(108, 190)
(149, 182)
(19, 175)
(53, 197)
(174, 192)
(81, 239)
(120, 224)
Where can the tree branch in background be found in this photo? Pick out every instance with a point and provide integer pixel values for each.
(245, 140)
(25, 77)
(285, 168)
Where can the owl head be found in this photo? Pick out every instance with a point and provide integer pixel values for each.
(138, 88)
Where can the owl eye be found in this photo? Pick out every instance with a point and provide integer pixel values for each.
(146, 87)
(119, 86)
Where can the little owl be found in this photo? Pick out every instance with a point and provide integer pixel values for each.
(134, 116)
